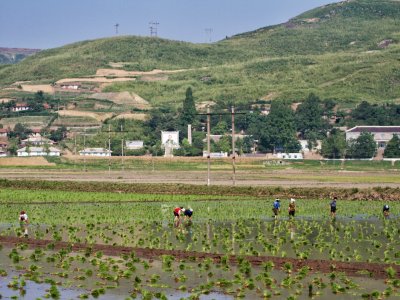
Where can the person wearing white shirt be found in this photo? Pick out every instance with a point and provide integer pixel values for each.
(24, 221)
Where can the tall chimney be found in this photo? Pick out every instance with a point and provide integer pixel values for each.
(190, 134)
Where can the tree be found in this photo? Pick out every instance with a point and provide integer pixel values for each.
(12, 146)
(334, 146)
(58, 134)
(224, 144)
(309, 118)
(279, 131)
(188, 114)
(36, 104)
(220, 128)
(362, 147)
(393, 147)
(247, 145)
(20, 131)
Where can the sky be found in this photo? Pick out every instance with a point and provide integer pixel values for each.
(43, 24)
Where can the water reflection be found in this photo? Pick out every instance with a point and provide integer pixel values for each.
(292, 229)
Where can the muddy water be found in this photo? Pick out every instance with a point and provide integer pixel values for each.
(343, 239)
(154, 277)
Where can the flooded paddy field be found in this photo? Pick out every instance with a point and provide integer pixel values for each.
(232, 248)
(29, 274)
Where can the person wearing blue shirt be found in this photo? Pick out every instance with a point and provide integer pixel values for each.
(333, 207)
(276, 208)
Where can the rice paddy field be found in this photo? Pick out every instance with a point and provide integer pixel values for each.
(119, 244)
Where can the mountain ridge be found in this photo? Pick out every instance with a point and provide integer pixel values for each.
(346, 50)
(15, 55)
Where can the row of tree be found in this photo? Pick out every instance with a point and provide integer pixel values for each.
(278, 131)
(335, 146)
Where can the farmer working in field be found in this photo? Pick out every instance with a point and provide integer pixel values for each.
(333, 207)
(276, 207)
(292, 207)
(23, 222)
(386, 212)
(188, 214)
(177, 215)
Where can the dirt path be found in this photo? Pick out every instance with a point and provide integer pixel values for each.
(218, 177)
(374, 270)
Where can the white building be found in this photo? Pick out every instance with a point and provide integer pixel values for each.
(216, 154)
(95, 152)
(304, 146)
(3, 132)
(134, 145)
(382, 134)
(20, 107)
(70, 85)
(289, 155)
(37, 140)
(38, 151)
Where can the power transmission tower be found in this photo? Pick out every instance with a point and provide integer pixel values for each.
(208, 34)
(153, 28)
(116, 28)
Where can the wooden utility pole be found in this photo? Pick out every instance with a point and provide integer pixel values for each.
(84, 149)
(109, 149)
(208, 114)
(233, 147)
(208, 145)
(122, 151)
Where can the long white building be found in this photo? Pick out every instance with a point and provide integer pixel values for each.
(382, 134)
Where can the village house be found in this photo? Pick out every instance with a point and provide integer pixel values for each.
(20, 107)
(3, 153)
(38, 151)
(382, 134)
(3, 144)
(3, 132)
(70, 85)
(36, 139)
(95, 152)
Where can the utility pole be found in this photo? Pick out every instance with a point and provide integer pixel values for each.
(208, 114)
(109, 149)
(84, 149)
(233, 147)
(208, 145)
(116, 28)
(75, 144)
(122, 151)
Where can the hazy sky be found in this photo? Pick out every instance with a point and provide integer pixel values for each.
(52, 23)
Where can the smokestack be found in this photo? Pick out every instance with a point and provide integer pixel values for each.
(190, 134)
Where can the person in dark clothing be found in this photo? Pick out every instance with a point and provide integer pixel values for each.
(188, 214)
(333, 207)
(386, 211)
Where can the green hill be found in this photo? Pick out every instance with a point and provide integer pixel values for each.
(347, 51)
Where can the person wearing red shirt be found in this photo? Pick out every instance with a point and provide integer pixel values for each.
(177, 214)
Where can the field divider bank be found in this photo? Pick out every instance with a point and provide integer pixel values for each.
(374, 193)
(372, 270)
